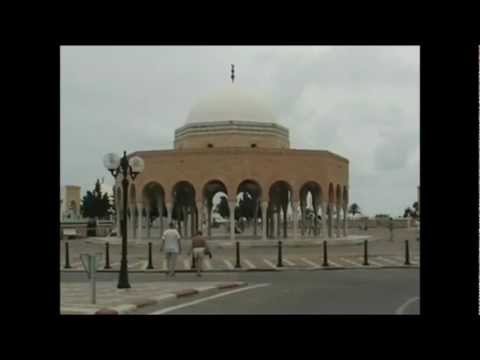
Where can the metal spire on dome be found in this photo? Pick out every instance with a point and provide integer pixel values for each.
(233, 73)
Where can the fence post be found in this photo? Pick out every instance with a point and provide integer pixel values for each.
(238, 265)
(150, 262)
(407, 253)
(67, 257)
(279, 262)
(365, 253)
(325, 258)
(107, 256)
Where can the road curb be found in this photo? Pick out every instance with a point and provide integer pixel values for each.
(166, 298)
(281, 268)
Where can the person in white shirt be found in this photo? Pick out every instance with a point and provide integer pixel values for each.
(172, 246)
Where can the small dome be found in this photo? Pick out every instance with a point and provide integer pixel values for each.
(231, 104)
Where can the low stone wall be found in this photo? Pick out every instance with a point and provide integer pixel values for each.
(103, 229)
(398, 223)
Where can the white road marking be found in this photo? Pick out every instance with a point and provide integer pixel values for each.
(389, 260)
(208, 264)
(172, 308)
(228, 263)
(135, 264)
(76, 265)
(269, 263)
(78, 310)
(350, 262)
(401, 309)
(186, 265)
(305, 260)
(249, 264)
(288, 262)
(374, 262)
(114, 264)
(330, 262)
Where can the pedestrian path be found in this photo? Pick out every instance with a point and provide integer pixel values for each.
(253, 263)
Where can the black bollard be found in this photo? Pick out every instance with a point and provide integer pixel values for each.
(407, 253)
(365, 253)
(279, 262)
(150, 262)
(107, 256)
(238, 265)
(193, 261)
(67, 257)
(325, 258)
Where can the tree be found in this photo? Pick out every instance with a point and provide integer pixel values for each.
(407, 213)
(354, 209)
(415, 212)
(95, 204)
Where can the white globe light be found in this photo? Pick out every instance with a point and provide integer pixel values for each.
(111, 161)
(137, 164)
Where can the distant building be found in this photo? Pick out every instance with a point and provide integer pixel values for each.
(69, 202)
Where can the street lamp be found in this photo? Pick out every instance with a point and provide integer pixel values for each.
(123, 167)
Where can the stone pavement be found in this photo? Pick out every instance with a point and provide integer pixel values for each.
(76, 296)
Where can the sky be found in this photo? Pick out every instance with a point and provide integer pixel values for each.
(361, 102)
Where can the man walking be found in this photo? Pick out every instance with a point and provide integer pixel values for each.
(172, 246)
(199, 248)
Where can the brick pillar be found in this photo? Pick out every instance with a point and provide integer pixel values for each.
(295, 219)
(264, 219)
(140, 210)
(232, 205)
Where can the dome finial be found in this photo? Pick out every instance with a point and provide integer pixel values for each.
(233, 73)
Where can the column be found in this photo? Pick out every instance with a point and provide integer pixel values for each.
(255, 218)
(200, 217)
(302, 209)
(295, 218)
(169, 212)
(232, 205)
(134, 222)
(160, 217)
(264, 219)
(275, 222)
(147, 219)
(324, 220)
(338, 220)
(209, 222)
(140, 209)
(185, 222)
(330, 210)
(118, 216)
(345, 221)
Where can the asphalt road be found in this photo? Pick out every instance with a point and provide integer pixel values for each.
(385, 291)
(319, 292)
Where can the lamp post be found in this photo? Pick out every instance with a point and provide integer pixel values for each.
(125, 168)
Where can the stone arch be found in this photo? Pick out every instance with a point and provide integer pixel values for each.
(153, 207)
(310, 212)
(184, 208)
(209, 190)
(280, 195)
(251, 192)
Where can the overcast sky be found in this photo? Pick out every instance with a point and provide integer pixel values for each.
(359, 102)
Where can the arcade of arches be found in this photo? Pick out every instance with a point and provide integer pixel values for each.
(282, 211)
